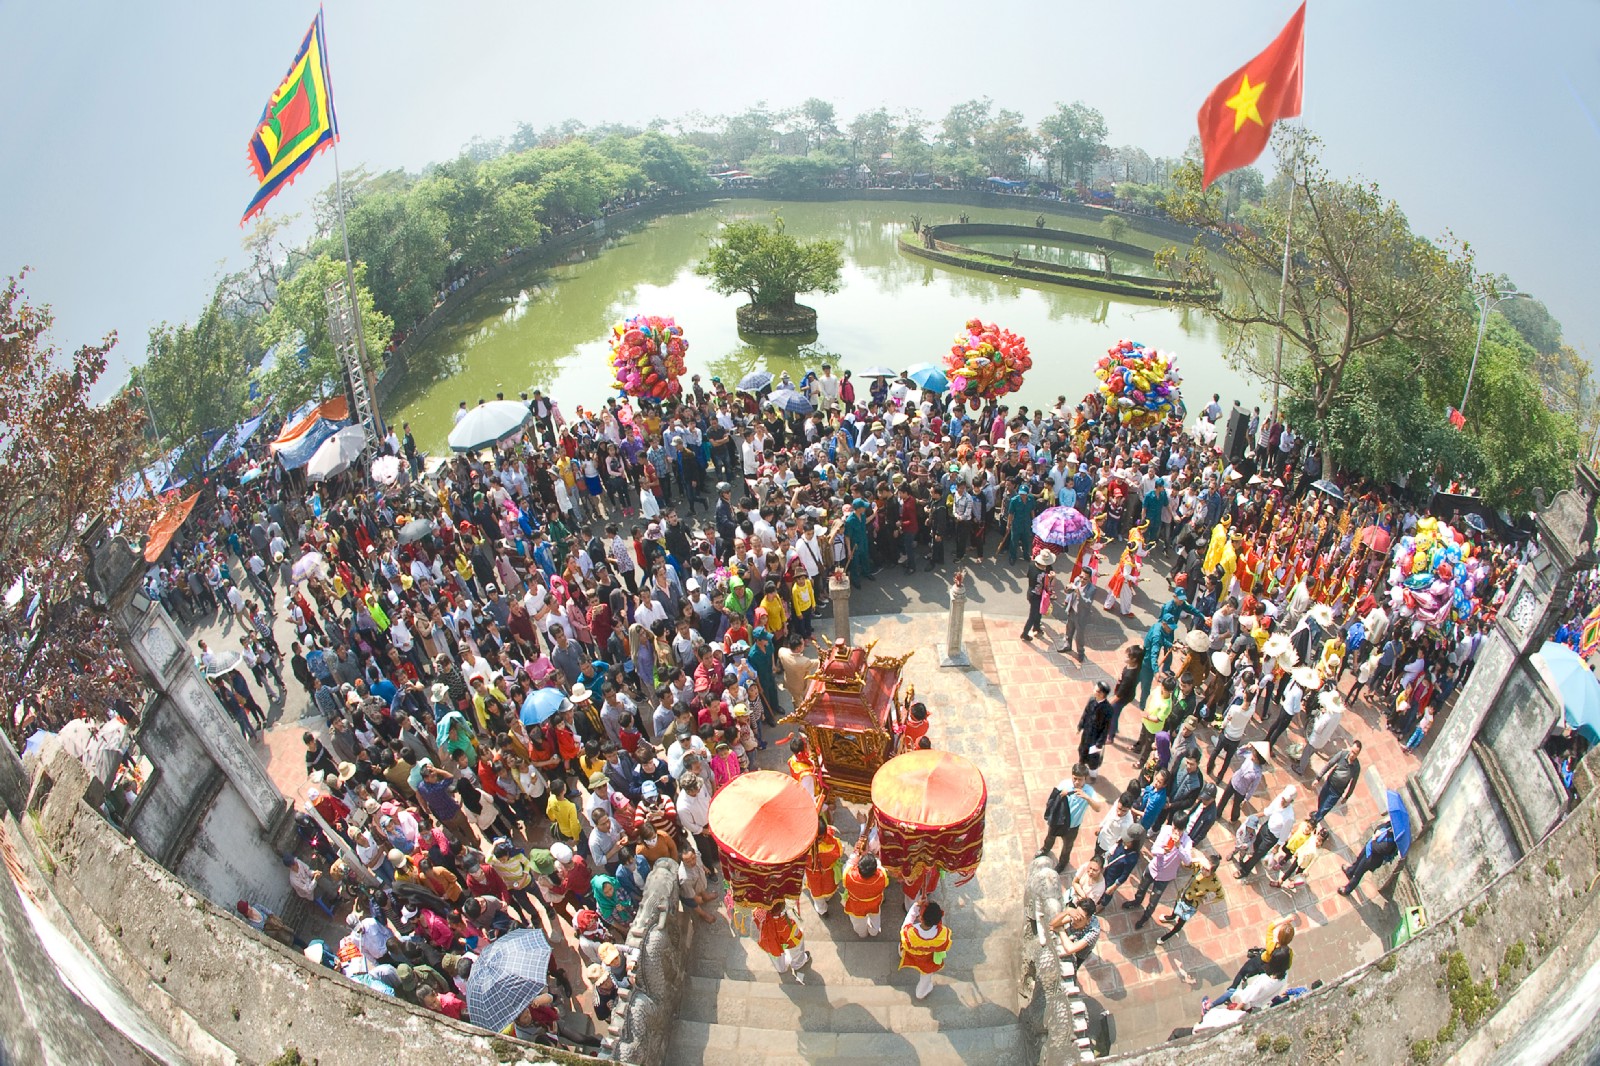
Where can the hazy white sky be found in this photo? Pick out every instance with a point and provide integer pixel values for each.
(126, 124)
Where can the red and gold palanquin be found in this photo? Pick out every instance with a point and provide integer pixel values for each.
(849, 714)
(764, 824)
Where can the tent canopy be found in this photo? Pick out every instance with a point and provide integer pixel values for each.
(166, 525)
(334, 410)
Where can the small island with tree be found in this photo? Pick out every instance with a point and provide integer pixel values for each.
(772, 268)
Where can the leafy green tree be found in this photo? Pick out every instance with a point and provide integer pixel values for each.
(1525, 442)
(1359, 277)
(1114, 227)
(1387, 422)
(1072, 138)
(196, 380)
(819, 122)
(1534, 321)
(663, 161)
(963, 164)
(748, 134)
(300, 318)
(871, 134)
(963, 122)
(911, 151)
(1004, 144)
(770, 266)
(403, 238)
(791, 173)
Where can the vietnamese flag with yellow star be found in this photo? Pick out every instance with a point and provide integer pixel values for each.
(1236, 119)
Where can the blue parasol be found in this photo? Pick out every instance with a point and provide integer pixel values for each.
(877, 372)
(928, 376)
(1328, 488)
(755, 382)
(1577, 686)
(541, 705)
(1399, 821)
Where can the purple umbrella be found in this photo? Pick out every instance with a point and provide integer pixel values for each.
(1063, 527)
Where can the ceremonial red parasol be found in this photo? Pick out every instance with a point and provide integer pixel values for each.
(929, 807)
(764, 824)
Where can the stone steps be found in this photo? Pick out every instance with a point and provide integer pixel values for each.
(823, 1004)
(727, 1045)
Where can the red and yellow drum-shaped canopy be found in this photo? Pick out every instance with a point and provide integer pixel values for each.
(929, 807)
(764, 817)
(764, 824)
(928, 789)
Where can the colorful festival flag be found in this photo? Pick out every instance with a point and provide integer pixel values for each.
(1589, 642)
(297, 123)
(1236, 119)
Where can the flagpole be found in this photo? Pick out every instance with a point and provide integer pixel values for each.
(349, 263)
(1283, 281)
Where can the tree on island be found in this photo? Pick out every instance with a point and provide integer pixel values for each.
(772, 268)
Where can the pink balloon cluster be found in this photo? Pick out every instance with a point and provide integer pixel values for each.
(1436, 574)
(647, 357)
(987, 361)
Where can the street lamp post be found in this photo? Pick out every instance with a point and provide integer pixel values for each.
(1488, 303)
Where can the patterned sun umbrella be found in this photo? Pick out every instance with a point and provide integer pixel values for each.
(1063, 527)
(506, 977)
(791, 401)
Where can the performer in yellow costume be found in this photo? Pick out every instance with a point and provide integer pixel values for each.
(1219, 540)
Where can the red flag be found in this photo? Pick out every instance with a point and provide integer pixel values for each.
(1236, 119)
(1457, 419)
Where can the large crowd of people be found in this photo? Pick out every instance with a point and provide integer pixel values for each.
(525, 671)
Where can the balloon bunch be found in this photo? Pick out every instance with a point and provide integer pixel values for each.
(1139, 384)
(987, 362)
(1436, 574)
(647, 357)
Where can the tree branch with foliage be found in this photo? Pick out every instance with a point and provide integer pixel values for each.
(61, 459)
(1358, 277)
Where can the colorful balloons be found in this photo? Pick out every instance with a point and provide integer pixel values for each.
(647, 357)
(987, 362)
(1141, 385)
(1436, 574)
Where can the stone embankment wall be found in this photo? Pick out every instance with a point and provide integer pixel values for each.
(1512, 972)
(211, 980)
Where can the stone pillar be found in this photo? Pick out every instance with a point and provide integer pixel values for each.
(839, 593)
(951, 652)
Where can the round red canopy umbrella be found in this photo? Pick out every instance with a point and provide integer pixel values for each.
(1376, 538)
(929, 806)
(764, 824)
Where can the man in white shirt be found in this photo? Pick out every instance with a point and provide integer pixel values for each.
(1113, 828)
(810, 550)
(825, 388)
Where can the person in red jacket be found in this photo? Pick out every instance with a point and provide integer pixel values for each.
(864, 886)
(822, 868)
(780, 937)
